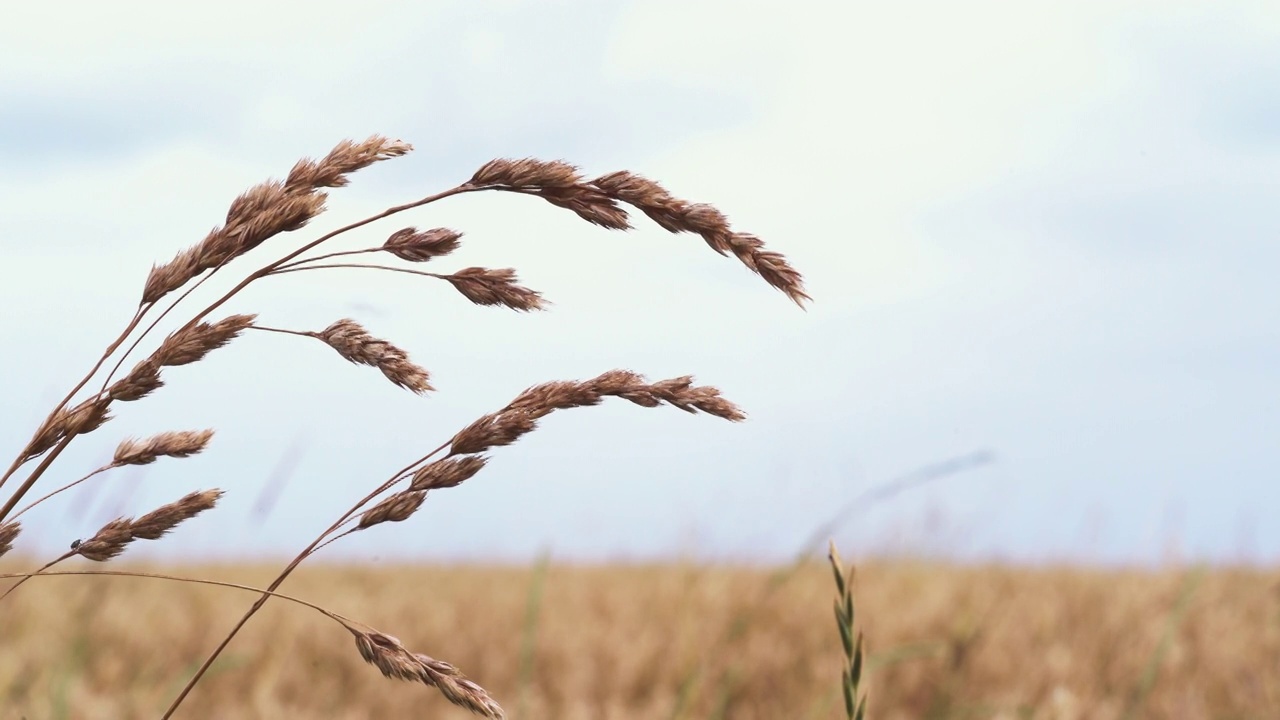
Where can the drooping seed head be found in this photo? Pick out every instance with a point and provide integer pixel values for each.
(409, 244)
(489, 286)
(392, 659)
(353, 342)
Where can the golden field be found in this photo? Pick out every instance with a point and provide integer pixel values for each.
(657, 642)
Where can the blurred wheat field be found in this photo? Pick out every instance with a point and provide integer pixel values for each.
(658, 642)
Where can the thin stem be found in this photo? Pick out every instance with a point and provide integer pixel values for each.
(370, 266)
(155, 322)
(28, 576)
(35, 475)
(262, 272)
(303, 333)
(19, 461)
(68, 486)
(345, 621)
(326, 256)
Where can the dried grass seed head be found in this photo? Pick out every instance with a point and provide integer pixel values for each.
(447, 473)
(180, 443)
(108, 542)
(140, 382)
(396, 508)
(394, 661)
(409, 244)
(69, 422)
(191, 344)
(526, 173)
(353, 342)
(520, 416)
(345, 158)
(166, 517)
(676, 215)
(8, 533)
(495, 286)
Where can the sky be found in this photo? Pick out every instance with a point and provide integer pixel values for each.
(1040, 239)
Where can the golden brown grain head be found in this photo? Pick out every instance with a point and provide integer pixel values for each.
(192, 344)
(68, 422)
(447, 473)
(391, 658)
(521, 415)
(139, 383)
(409, 244)
(181, 443)
(166, 517)
(8, 533)
(108, 542)
(528, 173)
(492, 430)
(676, 215)
(260, 213)
(588, 203)
(396, 508)
(268, 209)
(490, 286)
(347, 157)
(353, 342)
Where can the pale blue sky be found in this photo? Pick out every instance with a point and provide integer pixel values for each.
(1047, 234)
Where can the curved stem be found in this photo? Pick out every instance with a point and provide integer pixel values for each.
(369, 266)
(155, 322)
(326, 256)
(262, 272)
(345, 621)
(28, 576)
(284, 574)
(264, 328)
(68, 486)
(35, 475)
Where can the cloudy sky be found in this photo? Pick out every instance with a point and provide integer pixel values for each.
(1041, 243)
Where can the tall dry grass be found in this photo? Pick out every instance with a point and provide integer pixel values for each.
(273, 211)
(619, 643)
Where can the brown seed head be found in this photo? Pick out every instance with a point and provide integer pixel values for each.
(192, 344)
(140, 382)
(69, 422)
(521, 414)
(447, 473)
(676, 215)
(396, 508)
(354, 343)
(166, 517)
(392, 659)
(347, 157)
(489, 286)
(181, 443)
(493, 430)
(108, 542)
(526, 173)
(8, 533)
(409, 244)
(263, 211)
